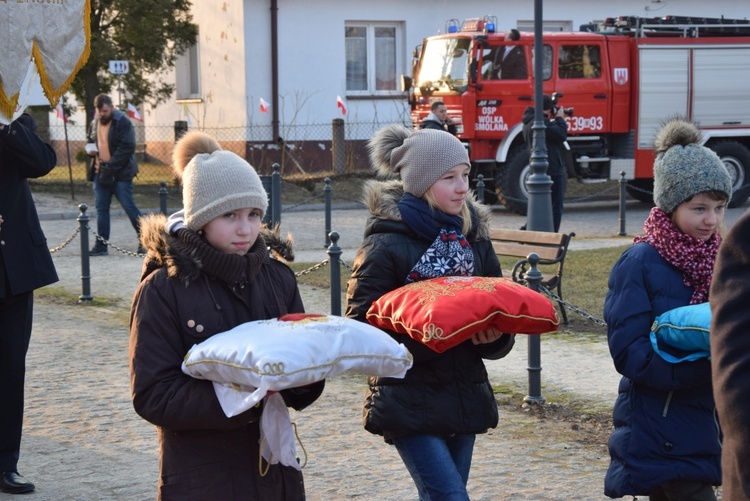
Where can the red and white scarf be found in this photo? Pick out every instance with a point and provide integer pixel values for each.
(693, 256)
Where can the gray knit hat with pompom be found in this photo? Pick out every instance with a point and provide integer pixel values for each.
(420, 157)
(683, 168)
(214, 181)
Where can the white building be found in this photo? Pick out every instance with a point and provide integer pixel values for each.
(299, 56)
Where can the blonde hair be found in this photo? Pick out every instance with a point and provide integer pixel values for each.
(465, 213)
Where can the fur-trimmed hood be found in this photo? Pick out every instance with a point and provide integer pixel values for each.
(163, 253)
(381, 198)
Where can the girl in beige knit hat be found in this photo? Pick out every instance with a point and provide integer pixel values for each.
(207, 271)
(426, 225)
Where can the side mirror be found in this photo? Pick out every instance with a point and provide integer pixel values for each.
(406, 83)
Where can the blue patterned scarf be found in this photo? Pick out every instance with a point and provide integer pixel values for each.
(450, 253)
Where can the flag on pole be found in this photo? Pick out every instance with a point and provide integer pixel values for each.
(263, 105)
(340, 104)
(187, 114)
(59, 113)
(133, 113)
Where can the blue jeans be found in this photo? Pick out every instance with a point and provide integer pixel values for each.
(123, 191)
(438, 465)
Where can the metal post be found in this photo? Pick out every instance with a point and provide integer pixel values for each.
(339, 146)
(327, 192)
(623, 195)
(83, 221)
(276, 195)
(534, 278)
(480, 188)
(539, 183)
(163, 197)
(266, 182)
(334, 252)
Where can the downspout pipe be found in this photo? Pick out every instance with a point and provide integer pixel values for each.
(275, 70)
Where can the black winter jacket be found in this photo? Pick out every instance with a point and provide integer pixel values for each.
(204, 454)
(25, 261)
(555, 135)
(121, 147)
(443, 393)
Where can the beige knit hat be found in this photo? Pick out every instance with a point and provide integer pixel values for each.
(420, 157)
(214, 181)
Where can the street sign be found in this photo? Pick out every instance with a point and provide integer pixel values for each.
(119, 67)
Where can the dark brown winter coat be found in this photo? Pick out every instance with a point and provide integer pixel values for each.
(181, 301)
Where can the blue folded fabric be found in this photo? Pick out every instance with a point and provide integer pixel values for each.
(681, 334)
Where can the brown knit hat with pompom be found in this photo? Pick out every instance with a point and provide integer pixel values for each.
(214, 181)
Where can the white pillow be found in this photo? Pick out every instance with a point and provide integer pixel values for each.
(271, 355)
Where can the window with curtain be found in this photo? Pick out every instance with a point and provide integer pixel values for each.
(373, 59)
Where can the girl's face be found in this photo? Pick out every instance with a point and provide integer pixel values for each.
(234, 232)
(700, 216)
(449, 192)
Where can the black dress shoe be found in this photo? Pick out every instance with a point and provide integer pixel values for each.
(13, 483)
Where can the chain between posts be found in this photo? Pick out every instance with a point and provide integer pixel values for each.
(107, 243)
(66, 242)
(572, 308)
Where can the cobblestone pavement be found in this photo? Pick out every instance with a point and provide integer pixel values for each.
(83, 441)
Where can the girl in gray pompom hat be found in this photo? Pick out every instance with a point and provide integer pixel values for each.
(667, 443)
(206, 272)
(426, 224)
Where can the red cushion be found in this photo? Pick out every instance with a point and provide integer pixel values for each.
(443, 312)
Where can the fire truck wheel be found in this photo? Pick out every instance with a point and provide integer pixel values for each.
(642, 190)
(736, 158)
(511, 180)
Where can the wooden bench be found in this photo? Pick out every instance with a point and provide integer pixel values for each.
(550, 247)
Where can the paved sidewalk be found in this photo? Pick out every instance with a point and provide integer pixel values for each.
(83, 441)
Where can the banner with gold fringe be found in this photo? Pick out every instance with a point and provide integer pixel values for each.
(52, 35)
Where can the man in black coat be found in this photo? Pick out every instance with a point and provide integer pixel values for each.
(113, 136)
(511, 60)
(555, 135)
(25, 265)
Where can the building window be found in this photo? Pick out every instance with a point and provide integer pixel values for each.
(187, 74)
(373, 57)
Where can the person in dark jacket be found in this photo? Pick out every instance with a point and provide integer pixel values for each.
(555, 136)
(511, 59)
(667, 442)
(425, 225)
(438, 119)
(209, 272)
(113, 136)
(730, 357)
(25, 265)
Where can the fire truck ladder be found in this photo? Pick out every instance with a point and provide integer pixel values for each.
(679, 26)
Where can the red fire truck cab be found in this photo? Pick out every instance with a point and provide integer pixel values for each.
(623, 78)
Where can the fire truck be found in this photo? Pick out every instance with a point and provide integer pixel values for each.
(622, 77)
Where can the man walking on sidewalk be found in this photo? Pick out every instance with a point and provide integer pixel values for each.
(111, 144)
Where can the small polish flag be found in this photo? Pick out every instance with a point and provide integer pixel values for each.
(59, 113)
(340, 104)
(263, 105)
(133, 113)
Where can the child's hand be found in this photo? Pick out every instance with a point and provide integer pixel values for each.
(488, 336)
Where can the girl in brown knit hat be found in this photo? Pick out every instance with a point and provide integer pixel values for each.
(667, 443)
(427, 225)
(206, 272)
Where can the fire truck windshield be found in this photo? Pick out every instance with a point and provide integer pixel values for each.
(444, 67)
